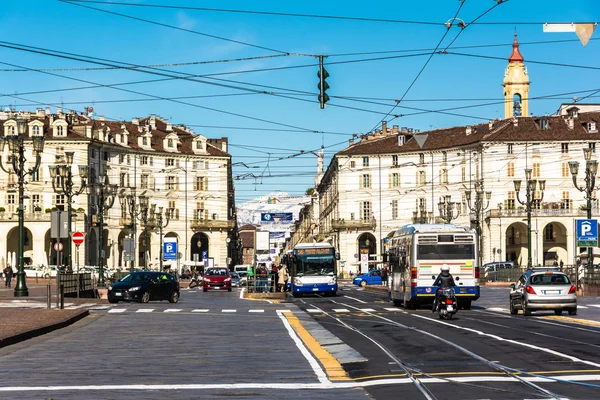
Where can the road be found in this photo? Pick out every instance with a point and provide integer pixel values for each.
(352, 346)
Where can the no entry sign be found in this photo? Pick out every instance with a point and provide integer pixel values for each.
(77, 238)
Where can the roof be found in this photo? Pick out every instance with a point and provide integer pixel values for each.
(516, 55)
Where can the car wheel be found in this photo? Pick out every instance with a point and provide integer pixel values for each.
(363, 283)
(573, 311)
(229, 290)
(46, 276)
(397, 303)
(513, 309)
(557, 312)
(113, 300)
(174, 298)
(145, 297)
(526, 311)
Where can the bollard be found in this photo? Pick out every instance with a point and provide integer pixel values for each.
(49, 295)
(62, 296)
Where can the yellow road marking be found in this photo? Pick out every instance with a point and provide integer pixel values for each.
(576, 320)
(333, 368)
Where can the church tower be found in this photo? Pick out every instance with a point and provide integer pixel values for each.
(516, 85)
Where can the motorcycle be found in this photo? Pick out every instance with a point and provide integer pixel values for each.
(447, 305)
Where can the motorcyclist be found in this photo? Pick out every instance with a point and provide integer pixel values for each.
(444, 281)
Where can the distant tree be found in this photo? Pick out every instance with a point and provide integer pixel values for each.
(310, 191)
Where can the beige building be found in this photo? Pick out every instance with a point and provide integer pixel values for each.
(185, 174)
(396, 176)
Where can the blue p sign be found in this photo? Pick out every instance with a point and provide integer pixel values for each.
(587, 232)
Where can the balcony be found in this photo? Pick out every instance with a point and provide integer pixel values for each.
(125, 221)
(544, 212)
(340, 224)
(34, 216)
(211, 224)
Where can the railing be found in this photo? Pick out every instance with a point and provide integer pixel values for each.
(544, 212)
(587, 276)
(370, 223)
(211, 224)
(125, 221)
(69, 282)
(34, 216)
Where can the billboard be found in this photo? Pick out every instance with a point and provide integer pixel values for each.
(287, 217)
(261, 241)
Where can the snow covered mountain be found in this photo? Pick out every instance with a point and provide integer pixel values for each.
(277, 202)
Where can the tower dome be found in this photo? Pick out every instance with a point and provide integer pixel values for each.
(516, 84)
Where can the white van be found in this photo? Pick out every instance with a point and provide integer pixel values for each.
(241, 268)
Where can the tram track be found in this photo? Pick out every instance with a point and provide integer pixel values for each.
(414, 373)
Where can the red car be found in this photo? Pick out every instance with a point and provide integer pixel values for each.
(216, 278)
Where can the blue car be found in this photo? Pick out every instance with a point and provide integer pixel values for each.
(372, 277)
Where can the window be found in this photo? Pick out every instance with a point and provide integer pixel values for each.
(566, 203)
(10, 202)
(169, 142)
(365, 181)
(395, 160)
(172, 182)
(565, 170)
(444, 176)
(144, 141)
(105, 156)
(170, 162)
(592, 127)
(394, 209)
(564, 148)
(92, 153)
(144, 160)
(151, 159)
(144, 181)
(395, 180)
(36, 130)
(365, 210)
(421, 158)
(121, 158)
(128, 159)
(549, 234)
(174, 211)
(593, 147)
(123, 179)
(11, 130)
(463, 173)
(536, 204)
(35, 175)
(536, 169)
(201, 183)
(35, 201)
(510, 169)
(544, 124)
(509, 148)
(200, 212)
(200, 164)
(60, 201)
(444, 157)
(352, 164)
(122, 138)
(421, 177)
(510, 202)
(60, 130)
(365, 161)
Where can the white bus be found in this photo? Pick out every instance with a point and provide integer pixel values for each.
(417, 253)
(312, 269)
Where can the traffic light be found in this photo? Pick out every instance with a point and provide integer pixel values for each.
(323, 86)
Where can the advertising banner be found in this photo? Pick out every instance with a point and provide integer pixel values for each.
(277, 217)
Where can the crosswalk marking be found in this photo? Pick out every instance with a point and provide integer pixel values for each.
(392, 309)
(172, 310)
(228, 311)
(117, 310)
(256, 311)
(594, 305)
(145, 310)
(340, 310)
(198, 310)
(313, 310)
(582, 307)
(367, 310)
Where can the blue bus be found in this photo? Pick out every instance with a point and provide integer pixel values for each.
(417, 253)
(313, 269)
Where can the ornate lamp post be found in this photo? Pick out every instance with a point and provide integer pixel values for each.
(16, 165)
(591, 169)
(160, 224)
(146, 216)
(421, 216)
(136, 210)
(477, 206)
(105, 198)
(530, 188)
(62, 183)
(447, 208)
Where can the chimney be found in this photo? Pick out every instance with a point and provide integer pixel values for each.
(491, 125)
(350, 142)
(135, 121)
(468, 130)
(169, 127)
(515, 121)
(401, 140)
(47, 111)
(39, 112)
(152, 122)
(570, 123)
(224, 144)
(101, 118)
(384, 127)
(404, 129)
(395, 129)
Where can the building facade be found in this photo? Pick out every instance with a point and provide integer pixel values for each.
(185, 175)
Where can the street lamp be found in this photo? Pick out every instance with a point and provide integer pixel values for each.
(421, 216)
(531, 187)
(105, 198)
(477, 206)
(136, 210)
(62, 183)
(160, 224)
(447, 208)
(146, 217)
(185, 171)
(591, 169)
(16, 165)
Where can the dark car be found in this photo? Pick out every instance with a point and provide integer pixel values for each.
(216, 278)
(144, 286)
(235, 279)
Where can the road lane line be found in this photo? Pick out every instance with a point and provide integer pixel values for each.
(392, 309)
(256, 311)
(340, 310)
(145, 310)
(355, 299)
(117, 310)
(200, 310)
(367, 310)
(575, 320)
(333, 369)
(172, 310)
(313, 310)
(228, 311)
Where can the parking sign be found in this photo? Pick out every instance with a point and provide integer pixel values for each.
(587, 232)
(170, 250)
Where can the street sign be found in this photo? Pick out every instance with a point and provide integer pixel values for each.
(59, 227)
(586, 232)
(58, 246)
(204, 255)
(78, 238)
(364, 263)
(170, 249)
(128, 249)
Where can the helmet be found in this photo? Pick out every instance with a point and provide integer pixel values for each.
(445, 268)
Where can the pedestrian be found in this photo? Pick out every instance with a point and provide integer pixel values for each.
(283, 278)
(8, 275)
(384, 275)
(562, 264)
(193, 278)
(274, 273)
(261, 277)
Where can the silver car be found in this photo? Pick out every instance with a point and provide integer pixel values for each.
(543, 290)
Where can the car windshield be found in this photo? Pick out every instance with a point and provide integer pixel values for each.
(242, 274)
(549, 279)
(216, 272)
(137, 277)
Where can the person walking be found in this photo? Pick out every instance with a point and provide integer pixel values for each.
(274, 272)
(8, 275)
(283, 278)
(384, 275)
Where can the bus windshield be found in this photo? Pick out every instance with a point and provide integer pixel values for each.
(445, 252)
(314, 265)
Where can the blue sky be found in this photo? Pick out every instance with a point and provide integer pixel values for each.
(268, 133)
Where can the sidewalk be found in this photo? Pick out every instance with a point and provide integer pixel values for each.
(19, 324)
